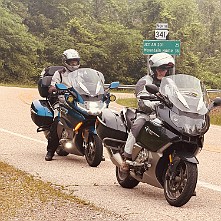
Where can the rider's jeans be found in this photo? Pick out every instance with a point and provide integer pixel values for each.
(135, 129)
(53, 140)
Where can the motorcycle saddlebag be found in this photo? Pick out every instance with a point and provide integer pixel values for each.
(110, 125)
(41, 114)
(45, 79)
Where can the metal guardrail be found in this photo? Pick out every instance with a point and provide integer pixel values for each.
(213, 91)
(132, 87)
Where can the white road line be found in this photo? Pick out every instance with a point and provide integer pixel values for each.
(200, 183)
(209, 186)
(22, 136)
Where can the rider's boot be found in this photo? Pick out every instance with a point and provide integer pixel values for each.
(124, 167)
(49, 156)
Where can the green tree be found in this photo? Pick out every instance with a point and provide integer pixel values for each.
(18, 58)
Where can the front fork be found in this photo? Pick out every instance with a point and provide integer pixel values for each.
(86, 134)
(174, 160)
(173, 163)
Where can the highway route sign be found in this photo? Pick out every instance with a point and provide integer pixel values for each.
(151, 47)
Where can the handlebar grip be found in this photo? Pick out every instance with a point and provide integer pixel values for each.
(150, 97)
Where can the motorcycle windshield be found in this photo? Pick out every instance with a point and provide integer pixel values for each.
(87, 81)
(185, 92)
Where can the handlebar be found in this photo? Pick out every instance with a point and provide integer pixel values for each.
(150, 97)
(158, 97)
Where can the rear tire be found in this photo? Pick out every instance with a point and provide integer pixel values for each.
(125, 179)
(94, 151)
(180, 189)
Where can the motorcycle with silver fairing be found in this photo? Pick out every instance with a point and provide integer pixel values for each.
(164, 154)
(76, 110)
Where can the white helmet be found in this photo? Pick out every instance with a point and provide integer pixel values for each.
(68, 55)
(162, 60)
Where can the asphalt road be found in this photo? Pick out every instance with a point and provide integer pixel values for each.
(24, 148)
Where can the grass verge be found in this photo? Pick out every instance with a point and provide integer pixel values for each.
(20, 192)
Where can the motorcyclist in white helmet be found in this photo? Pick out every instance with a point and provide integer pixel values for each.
(161, 65)
(71, 62)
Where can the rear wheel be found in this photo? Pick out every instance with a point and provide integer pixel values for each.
(125, 179)
(94, 150)
(180, 185)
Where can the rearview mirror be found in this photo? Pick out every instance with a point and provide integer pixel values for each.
(114, 85)
(152, 88)
(61, 87)
(217, 102)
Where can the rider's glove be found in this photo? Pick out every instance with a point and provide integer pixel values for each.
(144, 107)
(52, 89)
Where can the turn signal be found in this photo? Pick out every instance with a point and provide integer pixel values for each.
(170, 158)
(78, 126)
(70, 99)
(112, 97)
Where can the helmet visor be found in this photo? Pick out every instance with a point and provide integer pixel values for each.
(166, 66)
(74, 61)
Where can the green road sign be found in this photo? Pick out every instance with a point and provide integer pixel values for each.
(156, 46)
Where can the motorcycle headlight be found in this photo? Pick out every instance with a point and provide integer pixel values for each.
(93, 107)
(188, 125)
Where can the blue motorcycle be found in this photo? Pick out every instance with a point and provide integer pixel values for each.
(76, 108)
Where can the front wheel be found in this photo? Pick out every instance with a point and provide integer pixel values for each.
(94, 150)
(180, 184)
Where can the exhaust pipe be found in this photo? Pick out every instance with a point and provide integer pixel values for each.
(116, 158)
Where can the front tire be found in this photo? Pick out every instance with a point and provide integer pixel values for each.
(94, 151)
(125, 179)
(179, 189)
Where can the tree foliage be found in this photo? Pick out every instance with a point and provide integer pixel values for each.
(18, 58)
(108, 35)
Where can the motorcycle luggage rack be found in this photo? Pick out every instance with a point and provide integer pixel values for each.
(113, 143)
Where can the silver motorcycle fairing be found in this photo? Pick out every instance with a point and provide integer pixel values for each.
(149, 176)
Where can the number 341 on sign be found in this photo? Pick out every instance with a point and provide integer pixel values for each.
(161, 34)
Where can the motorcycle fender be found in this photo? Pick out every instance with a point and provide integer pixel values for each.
(188, 158)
